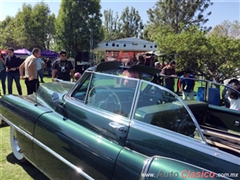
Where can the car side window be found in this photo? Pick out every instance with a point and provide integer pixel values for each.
(112, 93)
(81, 90)
(158, 107)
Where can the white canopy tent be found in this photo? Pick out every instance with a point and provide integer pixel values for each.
(127, 44)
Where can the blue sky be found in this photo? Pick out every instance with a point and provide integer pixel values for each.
(221, 10)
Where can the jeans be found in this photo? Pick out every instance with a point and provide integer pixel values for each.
(3, 80)
(40, 74)
(188, 94)
(16, 76)
(49, 69)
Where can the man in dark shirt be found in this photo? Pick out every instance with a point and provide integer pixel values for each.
(62, 68)
(49, 67)
(169, 71)
(12, 67)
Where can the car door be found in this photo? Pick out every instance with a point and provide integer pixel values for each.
(163, 125)
(220, 116)
(88, 129)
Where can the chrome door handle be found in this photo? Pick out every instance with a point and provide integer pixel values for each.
(236, 123)
(118, 127)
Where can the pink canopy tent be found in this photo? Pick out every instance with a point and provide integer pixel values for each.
(4, 52)
(23, 52)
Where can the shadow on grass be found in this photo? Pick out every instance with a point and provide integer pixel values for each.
(4, 124)
(29, 168)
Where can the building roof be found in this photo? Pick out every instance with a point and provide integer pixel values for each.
(127, 44)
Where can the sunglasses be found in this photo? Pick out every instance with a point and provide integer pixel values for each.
(63, 55)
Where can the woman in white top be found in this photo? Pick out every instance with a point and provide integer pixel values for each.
(234, 97)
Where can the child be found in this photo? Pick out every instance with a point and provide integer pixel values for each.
(77, 75)
(186, 84)
(234, 97)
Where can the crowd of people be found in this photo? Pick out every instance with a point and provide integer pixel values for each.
(186, 83)
(32, 69)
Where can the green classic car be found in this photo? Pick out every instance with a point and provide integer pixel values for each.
(110, 126)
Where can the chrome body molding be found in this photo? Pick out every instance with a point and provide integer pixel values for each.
(185, 141)
(149, 161)
(77, 169)
(19, 129)
(146, 167)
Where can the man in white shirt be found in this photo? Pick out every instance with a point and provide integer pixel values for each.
(40, 64)
(30, 67)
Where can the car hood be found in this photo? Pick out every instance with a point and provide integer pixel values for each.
(46, 90)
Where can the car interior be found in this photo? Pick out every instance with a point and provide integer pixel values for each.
(161, 109)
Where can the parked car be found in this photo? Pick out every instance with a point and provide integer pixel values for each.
(110, 126)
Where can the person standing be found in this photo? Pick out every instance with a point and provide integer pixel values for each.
(186, 84)
(40, 64)
(29, 66)
(62, 68)
(3, 73)
(157, 65)
(168, 71)
(49, 67)
(140, 60)
(225, 92)
(12, 67)
(234, 97)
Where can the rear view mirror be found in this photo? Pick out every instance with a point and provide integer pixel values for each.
(55, 97)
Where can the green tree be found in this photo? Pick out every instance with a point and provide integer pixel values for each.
(227, 28)
(76, 20)
(50, 31)
(215, 57)
(178, 14)
(31, 27)
(36, 23)
(112, 26)
(129, 24)
(132, 25)
(8, 36)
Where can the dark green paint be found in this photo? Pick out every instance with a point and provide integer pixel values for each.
(129, 165)
(94, 154)
(164, 168)
(87, 141)
(150, 145)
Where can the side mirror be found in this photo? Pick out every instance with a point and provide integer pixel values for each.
(55, 97)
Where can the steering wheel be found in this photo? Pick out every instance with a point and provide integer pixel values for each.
(112, 95)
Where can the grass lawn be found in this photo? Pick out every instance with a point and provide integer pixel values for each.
(10, 167)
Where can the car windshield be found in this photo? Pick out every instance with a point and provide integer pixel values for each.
(112, 93)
